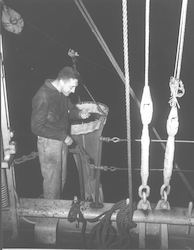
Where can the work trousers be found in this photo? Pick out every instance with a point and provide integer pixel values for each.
(53, 164)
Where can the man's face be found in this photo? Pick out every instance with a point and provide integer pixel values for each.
(69, 86)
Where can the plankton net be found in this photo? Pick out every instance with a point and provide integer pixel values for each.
(86, 134)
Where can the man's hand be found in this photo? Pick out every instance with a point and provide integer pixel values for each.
(84, 114)
(68, 140)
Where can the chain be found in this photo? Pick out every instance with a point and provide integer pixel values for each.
(106, 168)
(33, 155)
(25, 158)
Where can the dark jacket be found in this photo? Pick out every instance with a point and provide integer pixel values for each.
(51, 113)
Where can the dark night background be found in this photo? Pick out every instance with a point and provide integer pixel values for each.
(51, 28)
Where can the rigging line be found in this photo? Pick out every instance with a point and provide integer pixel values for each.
(182, 141)
(46, 35)
(127, 96)
(92, 25)
(88, 19)
(123, 79)
(121, 75)
(66, 47)
(95, 31)
(106, 49)
(178, 44)
(79, 54)
(135, 98)
(147, 32)
(161, 170)
(103, 113)
(176, 166)
(180, 39)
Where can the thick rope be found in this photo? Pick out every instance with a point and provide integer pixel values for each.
(146, 110)
(147, 32)
(177, 90)
(120, 73)
(177, 68)
(189, 187)
(100, 39)
(105, 234)
(127, 97)
(172, 128)
(176, 85)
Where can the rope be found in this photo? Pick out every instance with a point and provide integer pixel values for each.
(176, 85)
(180, 39)
(100, 39)
(172, 128)
(189, 187)
(106, 235)
(146, 110)
(127, 97)
(147, 32)
(177, 90)
(116, 140)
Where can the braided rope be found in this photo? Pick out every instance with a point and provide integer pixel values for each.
(147, 32)
(180, 39)
(106, 235)
(176, 85)
(100, 39)
(177, 90)
(127, 96)
(146, 110)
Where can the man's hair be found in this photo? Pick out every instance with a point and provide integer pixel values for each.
(67, 73)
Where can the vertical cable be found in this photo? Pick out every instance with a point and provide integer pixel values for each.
(127, 95)
(147, 33)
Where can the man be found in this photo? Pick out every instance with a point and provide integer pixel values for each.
(51, 112)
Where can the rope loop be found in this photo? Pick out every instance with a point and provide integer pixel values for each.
(72, 53)
(112, 169)
(108, 139)
(115, 139)
(144, 191)
(177, 90)
(164, 191)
